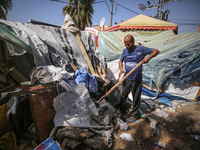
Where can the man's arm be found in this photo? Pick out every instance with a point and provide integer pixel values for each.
(153, 54)
(121, 70)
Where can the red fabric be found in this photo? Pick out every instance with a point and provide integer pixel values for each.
(118, 27)
(96, 40)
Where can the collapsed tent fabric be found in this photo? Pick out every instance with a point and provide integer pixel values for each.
(49, 45)
(179, 57)
(81, 76)
(74, 108)
(161, 96)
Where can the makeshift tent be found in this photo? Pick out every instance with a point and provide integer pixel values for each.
(142, 22)
(43, 53)
(178, 60)
(63, 105)
(48, 45)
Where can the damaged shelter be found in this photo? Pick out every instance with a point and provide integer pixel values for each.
(175, 71)
(51, 79)
(171, 81)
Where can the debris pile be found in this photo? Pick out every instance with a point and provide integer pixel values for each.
(52, 81)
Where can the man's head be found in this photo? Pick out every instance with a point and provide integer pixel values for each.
(129, 42)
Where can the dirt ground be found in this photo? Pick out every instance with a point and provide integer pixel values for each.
(179, 131)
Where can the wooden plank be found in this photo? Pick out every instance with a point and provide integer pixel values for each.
(43, 113)
(39, 88)
(198, 94)
(196, 83)
(17, 75)
(99, 70)
(73, 66)
(6, 81)
(85, 54)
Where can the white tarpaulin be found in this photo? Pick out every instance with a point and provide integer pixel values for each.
(74, 108)
(179, 54)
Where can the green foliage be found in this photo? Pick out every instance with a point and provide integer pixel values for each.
(81, 12)
(5, 6)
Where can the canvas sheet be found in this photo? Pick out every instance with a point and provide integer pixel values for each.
(49, 45)
(74, 108)
(179, 57)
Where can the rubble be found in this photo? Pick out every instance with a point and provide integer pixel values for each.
(59, 100)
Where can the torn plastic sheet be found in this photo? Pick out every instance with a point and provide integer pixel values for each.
(49, 74)
(52, 45)
(127, 137)
(12, 105)
(169, 97)
(107, 111)
(165, 101)
(179, 54)
(81, 76)
(74, 108)
(68, 86)
(3, 94)
(20, 46)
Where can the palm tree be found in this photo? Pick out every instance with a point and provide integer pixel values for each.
(81, 12)
(5, 6)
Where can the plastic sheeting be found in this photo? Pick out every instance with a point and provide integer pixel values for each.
(19, 45)
(50, 45)
(161, 96)
(179, 54)
(74, 108)
(49, 74)
(81, 76)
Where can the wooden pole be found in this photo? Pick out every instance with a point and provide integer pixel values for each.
(99, 69)
(85, 54)
(119, 82)
(73, 66)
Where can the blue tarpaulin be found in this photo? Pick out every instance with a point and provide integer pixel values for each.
(162, 97)
(81, 76)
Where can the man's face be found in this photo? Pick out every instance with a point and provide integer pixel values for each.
(128, 44)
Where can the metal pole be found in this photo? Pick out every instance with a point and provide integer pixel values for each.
(111, 13)
(158, 8)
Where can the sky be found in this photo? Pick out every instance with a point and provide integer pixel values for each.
(185, 13)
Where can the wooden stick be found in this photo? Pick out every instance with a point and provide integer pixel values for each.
(99, 69)
(119, 82)
(85, 54)
(73, 66)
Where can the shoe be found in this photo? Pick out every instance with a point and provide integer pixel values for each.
(132, 119)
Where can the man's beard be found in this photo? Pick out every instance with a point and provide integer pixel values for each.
(130, 48)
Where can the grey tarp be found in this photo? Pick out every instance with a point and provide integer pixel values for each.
(51, 45)
(74, 108)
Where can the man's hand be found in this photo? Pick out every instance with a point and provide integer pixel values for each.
(120, 72)
(153, 54)
(145, 60)
(121, 68)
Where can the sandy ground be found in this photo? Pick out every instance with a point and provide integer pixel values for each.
(179, 131)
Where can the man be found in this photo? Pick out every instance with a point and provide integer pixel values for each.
(131, 56)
